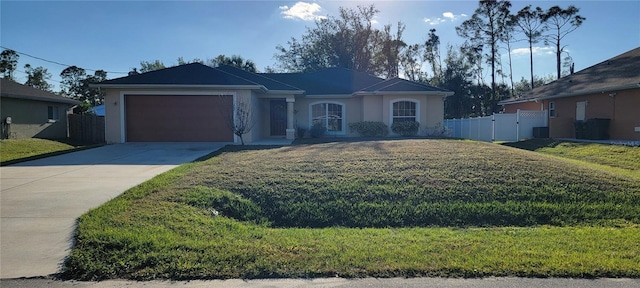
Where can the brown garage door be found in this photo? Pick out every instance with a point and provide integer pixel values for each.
(181, 118)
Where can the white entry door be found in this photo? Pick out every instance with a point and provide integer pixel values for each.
(580, 110)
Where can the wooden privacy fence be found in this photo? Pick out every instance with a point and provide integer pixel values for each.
(86, 128)
(498, 127)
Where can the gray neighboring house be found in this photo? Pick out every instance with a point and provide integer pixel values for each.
(33, 113)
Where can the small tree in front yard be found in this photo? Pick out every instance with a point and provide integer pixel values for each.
(240, 119)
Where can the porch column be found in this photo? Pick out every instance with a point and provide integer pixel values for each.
(291, 131)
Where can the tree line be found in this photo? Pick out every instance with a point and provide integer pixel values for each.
(351, 41)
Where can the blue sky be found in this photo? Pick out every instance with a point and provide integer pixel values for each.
(116, 35)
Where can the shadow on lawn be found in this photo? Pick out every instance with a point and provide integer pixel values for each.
(533, 144)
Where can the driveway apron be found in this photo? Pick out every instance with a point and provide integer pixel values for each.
(41, 199)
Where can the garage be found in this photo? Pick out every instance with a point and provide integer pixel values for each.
(177, 118)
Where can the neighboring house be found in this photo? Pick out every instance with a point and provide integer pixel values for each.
(34, 113)
(188, 103)
(607, 90)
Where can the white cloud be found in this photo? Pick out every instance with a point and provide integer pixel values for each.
(447, 16)
(302, 11)
(536, 51)
(434, 21)
(453, 17)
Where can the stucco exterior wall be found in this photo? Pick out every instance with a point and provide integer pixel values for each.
(431, 111)
(352, 112)
(513, 108)
(622, 107)
(371, 108)
(30, 119)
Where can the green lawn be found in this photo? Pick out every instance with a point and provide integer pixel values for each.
(14, 150)
(373, 208)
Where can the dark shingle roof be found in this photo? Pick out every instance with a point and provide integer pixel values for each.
(189, 74)
(330, 81)
(270, 84)
(397, 84)
(11, 89)
(616, 73)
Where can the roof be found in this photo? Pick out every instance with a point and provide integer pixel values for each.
(188, 74)
(397, 84)
(330, 81)
(617, 73)
(11, 89)
(270, 84)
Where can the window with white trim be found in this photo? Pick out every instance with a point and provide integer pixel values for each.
(329, 115)
(552, 109)
(404, 111)
(52, 113)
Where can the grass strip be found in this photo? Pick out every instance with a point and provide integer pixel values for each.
(14, 151)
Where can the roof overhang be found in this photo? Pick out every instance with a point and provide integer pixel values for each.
(330, 96)
(43, 99)
(290, 92)
(563, 95)
(178, 86)
(405, 93)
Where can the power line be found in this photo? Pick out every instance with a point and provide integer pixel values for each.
(25, 73)
(58, 63)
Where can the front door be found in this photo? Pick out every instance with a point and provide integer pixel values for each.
(278, 117)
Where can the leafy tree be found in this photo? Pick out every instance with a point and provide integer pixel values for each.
(523, 86)
(388, 53)
(411, 63)
(181, 61)
(72, 84)
(75, 84)
(235, 61)
(432, 53)
(37, 77)
(457, 77)
(347, 41)
(8, 63)
(530, 22)
(486, 28)
(94, 95)
(146, 66)
(561, 22)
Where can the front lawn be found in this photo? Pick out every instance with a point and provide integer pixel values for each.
(16, 150)
(376, 208)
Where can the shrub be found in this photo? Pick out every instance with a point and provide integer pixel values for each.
(405, 128)
(369, 128)
(301, 132)
(317, 130)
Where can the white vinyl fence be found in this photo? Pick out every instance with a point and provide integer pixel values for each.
(498, 127)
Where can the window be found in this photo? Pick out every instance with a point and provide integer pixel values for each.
(404, 111)
(52, 113)
(329, 115)
(552, 109)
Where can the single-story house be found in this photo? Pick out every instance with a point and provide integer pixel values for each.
(189, 103)
(607, 90)
(27, 112)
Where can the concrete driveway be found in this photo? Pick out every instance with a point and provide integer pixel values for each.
(41, 199)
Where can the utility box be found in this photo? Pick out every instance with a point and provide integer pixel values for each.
(600, 128)
(540, 132)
